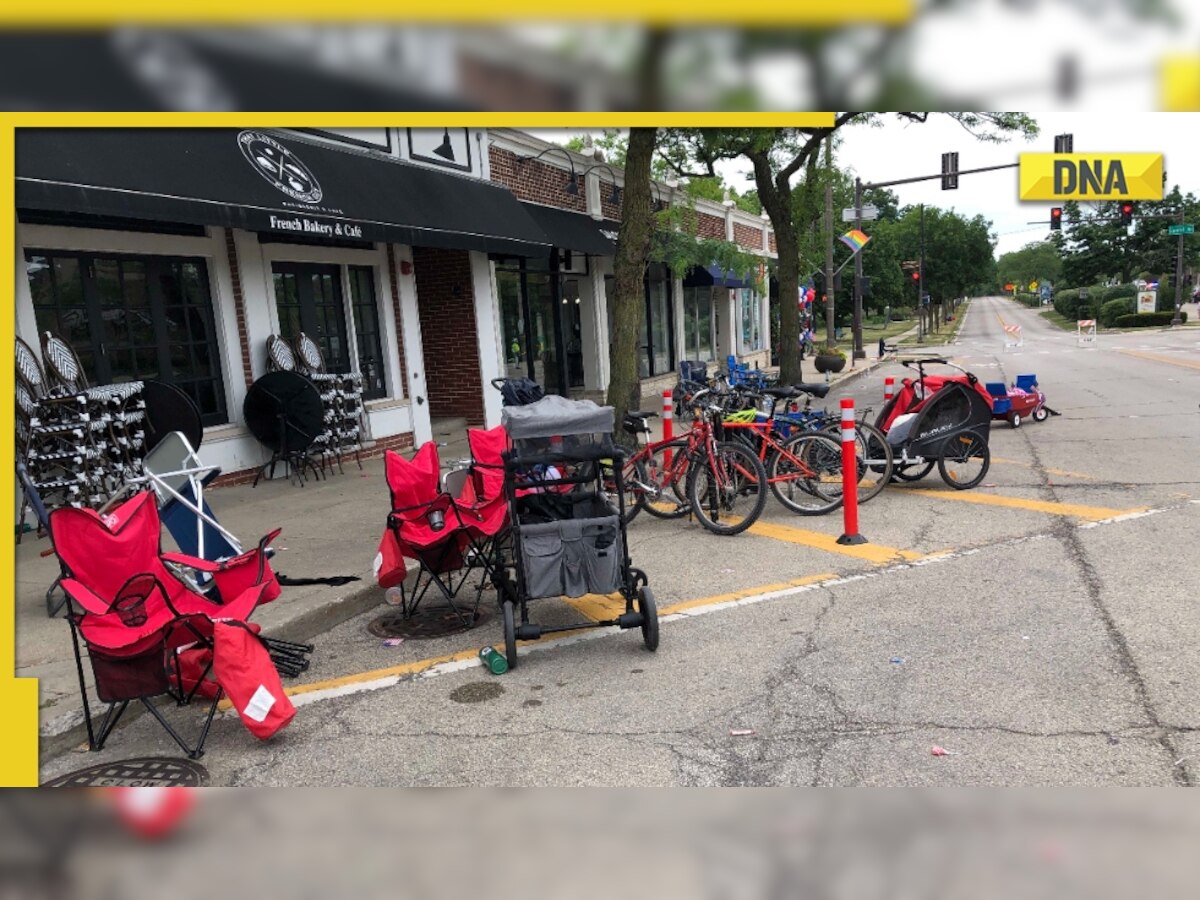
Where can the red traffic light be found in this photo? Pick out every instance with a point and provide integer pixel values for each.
(1127, 213)
(1056, 219)
(916, 276)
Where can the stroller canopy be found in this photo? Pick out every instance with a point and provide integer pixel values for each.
(553, 416)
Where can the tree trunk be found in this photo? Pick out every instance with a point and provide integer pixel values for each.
(778, 204)
(629, 269)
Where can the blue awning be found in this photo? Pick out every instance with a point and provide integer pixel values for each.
(716, 277)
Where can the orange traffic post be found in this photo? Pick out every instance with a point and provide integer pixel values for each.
(668, 424)
(889, 389)
(849, 477)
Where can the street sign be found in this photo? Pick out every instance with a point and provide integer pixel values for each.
(1146, 301)
(1181, 229)
(1033, 285)
(869, 214)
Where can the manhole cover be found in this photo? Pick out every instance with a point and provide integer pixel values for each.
(477, 692)
(147, 771)
(427, 623)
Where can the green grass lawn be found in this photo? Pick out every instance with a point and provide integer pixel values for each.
(1052, 316)
(873, 332)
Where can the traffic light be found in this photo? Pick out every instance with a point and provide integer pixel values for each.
(1127, 209)
(916, 276)
(1056, 219)
(949, 171)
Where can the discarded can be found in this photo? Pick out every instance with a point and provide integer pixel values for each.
(394, 596)
(493, 661)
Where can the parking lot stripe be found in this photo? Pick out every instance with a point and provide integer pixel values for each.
(873, 553)
(1064, 472)
(1169, 360)
(740, 595)
(1091, 513)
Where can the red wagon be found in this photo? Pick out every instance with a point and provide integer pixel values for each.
(1022, 401)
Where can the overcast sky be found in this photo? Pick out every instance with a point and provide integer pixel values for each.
(901, 150)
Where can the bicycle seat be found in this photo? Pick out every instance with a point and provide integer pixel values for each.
(637, 413)
(817, 390)
(780, 393)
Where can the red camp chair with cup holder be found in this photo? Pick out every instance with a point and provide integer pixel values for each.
(144, 627)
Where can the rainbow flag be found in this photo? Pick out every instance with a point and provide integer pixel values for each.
(855, 240)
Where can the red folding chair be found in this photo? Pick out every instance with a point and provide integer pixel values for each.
(137, 618)
(449, 537)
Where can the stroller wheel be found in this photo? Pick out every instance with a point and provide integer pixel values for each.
(510, 634)
(649, 617)
(1040, 414)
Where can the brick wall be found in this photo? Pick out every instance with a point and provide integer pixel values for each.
(239, 306)
(446, 307)
(710, 226)
(609, 209)
(394, 442)
(536, 181)
(747, 236)
(771, 241)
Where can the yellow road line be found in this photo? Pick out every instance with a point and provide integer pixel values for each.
(1169, 360)
(1064, 472)
(596, 602)
(873, 553)
(1091, 513)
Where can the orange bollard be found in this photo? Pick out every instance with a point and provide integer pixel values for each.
(889, 389)
(668, 416)
(849, 478)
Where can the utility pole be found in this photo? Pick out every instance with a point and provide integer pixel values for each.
(829, 331)
(859, 352)
(921, 282)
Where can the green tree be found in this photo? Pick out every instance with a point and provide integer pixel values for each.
(779, 155)
(1036, 261)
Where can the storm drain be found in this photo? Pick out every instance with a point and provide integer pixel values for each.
(153, 771)
(427, 623)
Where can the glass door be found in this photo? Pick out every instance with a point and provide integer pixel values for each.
(308, 297)
(543, 331)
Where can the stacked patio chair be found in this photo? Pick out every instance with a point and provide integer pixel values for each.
(450, 536)
(79, 443)
(148, 634)
(63, 447)
(342, 395)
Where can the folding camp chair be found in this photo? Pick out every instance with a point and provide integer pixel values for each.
(450, 537)
(138, 620)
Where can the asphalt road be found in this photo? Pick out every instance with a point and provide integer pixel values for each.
(1043, 628)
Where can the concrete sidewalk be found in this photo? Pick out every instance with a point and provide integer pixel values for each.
(330, 527)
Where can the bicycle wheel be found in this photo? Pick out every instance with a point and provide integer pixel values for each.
(806, 476)
(634, 477)
(874, 457)
(726, 489)
(964, 461)
(664, 492)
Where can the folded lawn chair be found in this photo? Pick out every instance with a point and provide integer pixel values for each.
(137, 617)
(448, 536)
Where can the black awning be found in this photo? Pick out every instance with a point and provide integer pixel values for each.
(266, 182)
(575, 231)
(714, 276)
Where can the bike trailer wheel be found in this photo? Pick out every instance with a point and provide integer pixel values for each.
(965, 460)
(510, 634)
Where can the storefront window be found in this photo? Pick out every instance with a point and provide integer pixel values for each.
(530, 323)
(656, 355)
(698, 323)
(751, 304)
(132, 318)
(367, 331)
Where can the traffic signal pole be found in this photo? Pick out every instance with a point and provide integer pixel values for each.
(1177, 319)
(859, 351)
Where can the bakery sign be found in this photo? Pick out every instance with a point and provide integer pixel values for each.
(305, 225)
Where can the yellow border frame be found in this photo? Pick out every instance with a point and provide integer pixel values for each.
(19, 725)
(765, 13)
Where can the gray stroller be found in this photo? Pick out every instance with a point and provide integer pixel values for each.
(568, 538)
